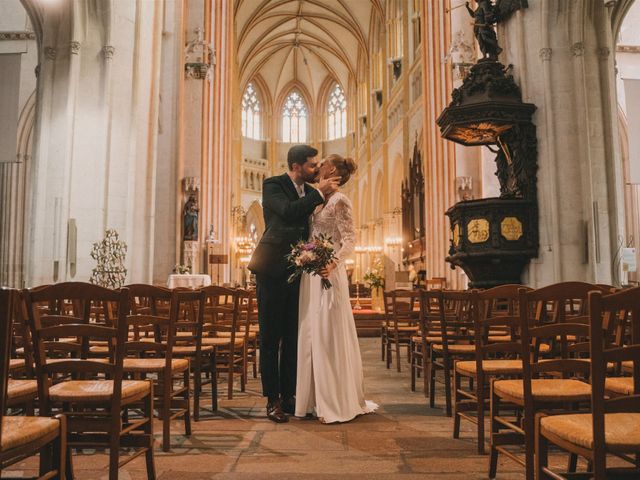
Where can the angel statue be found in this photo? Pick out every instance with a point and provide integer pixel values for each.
(484, 18)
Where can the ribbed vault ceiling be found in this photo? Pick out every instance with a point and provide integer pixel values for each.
(302, 41)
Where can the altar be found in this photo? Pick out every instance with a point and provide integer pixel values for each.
(187, 280)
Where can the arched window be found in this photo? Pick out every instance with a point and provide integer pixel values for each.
(251, 113)
(336, 114)
(294, 119)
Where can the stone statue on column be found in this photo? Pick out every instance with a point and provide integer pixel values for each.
(190, 219)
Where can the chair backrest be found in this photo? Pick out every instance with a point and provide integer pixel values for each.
(21, 335)
(602, 354)
(567, 334)
(187, 307)
(49, 328)
(497, 330)
(456, 325)
(221, 311)
(400, 307)
(7, 299)
(151, 334)
(432, 312)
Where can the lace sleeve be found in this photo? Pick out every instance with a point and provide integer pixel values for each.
(344, 224)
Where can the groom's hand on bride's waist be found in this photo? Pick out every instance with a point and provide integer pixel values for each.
(329, 185)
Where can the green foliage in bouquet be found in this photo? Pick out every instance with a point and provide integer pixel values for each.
(310, 257)
(110, 254)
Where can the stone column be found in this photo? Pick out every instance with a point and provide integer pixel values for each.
(218, 196)
(563, 63)
(439, 155)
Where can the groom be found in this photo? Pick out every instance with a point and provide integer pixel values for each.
(287, 201)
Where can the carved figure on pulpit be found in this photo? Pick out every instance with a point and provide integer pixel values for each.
(484, 18)
(190, 219)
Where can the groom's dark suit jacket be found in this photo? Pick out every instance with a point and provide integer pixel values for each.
(286, 217)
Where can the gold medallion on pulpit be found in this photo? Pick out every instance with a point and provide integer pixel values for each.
(478, 230)
(456, 235)
(511, 228)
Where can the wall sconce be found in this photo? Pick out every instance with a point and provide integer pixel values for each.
(199, 58)
(393, 241)
(464, 185)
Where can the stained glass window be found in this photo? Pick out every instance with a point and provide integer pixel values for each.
(251, 113)
(294, 119)
(336, 114)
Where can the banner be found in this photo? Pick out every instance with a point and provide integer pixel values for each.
(9, 97)
(632, 102)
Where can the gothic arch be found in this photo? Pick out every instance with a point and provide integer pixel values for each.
(255, 216)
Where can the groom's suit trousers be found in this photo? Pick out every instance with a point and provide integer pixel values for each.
(278, 318)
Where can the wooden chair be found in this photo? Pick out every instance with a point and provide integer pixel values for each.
(153, 355)
(226, 329)
(188, 344)
(401, 323)
(253, 340)
(456, 331)
(23, 436)
(429, 333)
(22, 387)
(90, 391)
(497, 355)
(613, 426)
(551, 384)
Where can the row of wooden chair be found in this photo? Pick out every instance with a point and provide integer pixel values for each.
(104, 358)
(522, 352)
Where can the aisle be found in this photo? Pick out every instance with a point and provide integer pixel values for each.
(405, 439)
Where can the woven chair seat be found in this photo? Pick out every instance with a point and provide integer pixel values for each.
(18, 431)
(490, 367)
(221, 341)
(455, 349)
(418, 339)
(21, 389)
(620, 385)
(627, 366)
(621, 430)
(251, 335)
(544, 348)
(151, 365)
(16, 364)
(99, 349)
(254, 328)
(66, 359)
(546, 390)
(190, 350)
(499, 338)
(99, 391)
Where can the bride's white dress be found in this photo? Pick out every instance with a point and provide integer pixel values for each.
(329, 379)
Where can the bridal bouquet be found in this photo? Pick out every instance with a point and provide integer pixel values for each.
(311, 256)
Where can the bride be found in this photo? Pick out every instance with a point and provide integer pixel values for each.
(329, 379)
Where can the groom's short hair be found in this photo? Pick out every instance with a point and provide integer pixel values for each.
(299, 154)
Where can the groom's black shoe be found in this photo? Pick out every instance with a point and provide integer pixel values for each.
(275, 413)
(289, 405)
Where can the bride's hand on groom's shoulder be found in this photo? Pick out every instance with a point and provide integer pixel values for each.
(329, 185)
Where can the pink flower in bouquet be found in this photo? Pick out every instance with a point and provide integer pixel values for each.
(311, 256)
(307, 257)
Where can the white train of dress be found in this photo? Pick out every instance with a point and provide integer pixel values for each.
(329, 377)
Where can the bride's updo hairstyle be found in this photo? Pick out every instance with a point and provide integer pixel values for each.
(345, 167)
